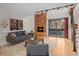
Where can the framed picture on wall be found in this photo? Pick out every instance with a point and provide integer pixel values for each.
(13, 24)
(16, 24)
(20, 24)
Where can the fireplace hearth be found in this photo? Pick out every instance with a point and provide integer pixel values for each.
(40, 29)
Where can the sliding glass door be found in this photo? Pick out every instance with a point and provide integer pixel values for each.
(57, 27)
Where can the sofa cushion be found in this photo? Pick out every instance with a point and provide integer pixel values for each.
(24, 37)
(13, 35)
(18, 38)
(18, 33)
(23, 32)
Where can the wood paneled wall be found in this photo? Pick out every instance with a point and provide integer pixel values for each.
(40, 21)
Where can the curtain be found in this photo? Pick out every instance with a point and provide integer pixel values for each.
(66, 28)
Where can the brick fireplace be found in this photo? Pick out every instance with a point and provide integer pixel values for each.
(40, 25)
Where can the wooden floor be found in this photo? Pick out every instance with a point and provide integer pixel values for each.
(63, 47)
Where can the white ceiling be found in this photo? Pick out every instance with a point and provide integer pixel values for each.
(25, 9)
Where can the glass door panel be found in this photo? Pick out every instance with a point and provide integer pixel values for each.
(56, 27)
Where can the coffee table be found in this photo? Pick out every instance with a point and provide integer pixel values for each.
(32, 42)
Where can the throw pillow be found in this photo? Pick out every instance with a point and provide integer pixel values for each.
(13, 35)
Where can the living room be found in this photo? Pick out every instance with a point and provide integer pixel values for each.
(46, 27)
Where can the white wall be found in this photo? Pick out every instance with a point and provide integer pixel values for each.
(3, 32)
(28, 23)
(58, 13)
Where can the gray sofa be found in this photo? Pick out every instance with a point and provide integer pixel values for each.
(20, 36)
